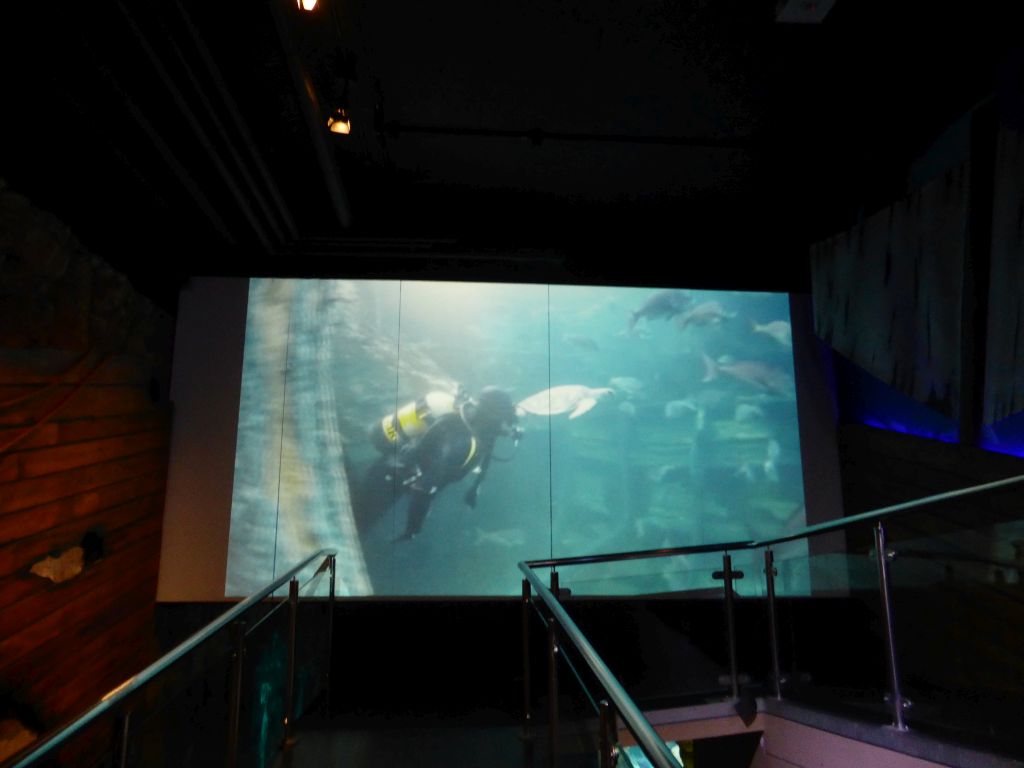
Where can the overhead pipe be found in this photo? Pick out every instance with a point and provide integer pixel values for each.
(241, 126)
(229, 142)
(165, 152)
(179, 100)
(537, 136)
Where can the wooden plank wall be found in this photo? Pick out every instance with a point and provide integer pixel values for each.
(96, 465)
(84, 434)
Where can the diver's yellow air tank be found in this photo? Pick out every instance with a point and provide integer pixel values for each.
(411, 420)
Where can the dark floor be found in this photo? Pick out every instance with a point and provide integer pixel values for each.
(493, 740)
(486, 737)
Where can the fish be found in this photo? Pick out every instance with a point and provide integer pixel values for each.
(771, 457)
(748, 412)
(765, 377)
(675, 409)
(629, 386)
(581, 341)
(671, 473)
(708, 399)
(707, 313)
(701, 451)
(779, 330)
(634, 333)
(665, 304)
(746, 472)
(506, 537)
(574, 399)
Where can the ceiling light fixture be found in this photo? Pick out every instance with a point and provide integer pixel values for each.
(306, 5)
(339, 121)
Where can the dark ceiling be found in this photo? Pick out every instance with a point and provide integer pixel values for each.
(700, 142)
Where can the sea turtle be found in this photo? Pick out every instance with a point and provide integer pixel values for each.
(568, 397)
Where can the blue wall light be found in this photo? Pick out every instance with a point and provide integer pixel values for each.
(864, 399)
(1005, 436)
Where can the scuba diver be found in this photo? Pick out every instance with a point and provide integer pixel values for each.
(436, 441)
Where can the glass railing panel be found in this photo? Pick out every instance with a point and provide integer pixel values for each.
(955, 598)
(575, 740)
(677, 621)
(89, 747)
(674, 623)
(958, 594)
(831, 635)
(177, 710)
(589, 689)
(178, 718)
(577, 736)
(181, 717)
(312, 656)
(690, 574)
(633, 757)
(748, 573)
(266, 667)
(264, 680)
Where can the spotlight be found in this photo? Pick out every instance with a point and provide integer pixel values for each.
(306, 5)
(339, 121)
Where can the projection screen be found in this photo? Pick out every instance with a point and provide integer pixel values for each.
(437, 433)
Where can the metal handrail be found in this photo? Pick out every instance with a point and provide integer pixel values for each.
(134, 683)
(653, 746)
(811, 530)
(642, 730)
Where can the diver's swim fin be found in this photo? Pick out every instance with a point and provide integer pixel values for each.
(417, 507)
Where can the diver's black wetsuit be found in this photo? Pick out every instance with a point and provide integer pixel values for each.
(444, 455)
(455, 445)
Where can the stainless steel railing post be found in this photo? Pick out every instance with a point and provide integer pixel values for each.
(330, 632)
(289, 701)
(524, 618)
(730, 620)
(237, 635)
(607, 737)
(553, 679)
(122, 727)
(883, 556)
(773, 626)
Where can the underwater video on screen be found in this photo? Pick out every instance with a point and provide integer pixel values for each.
(438, 433)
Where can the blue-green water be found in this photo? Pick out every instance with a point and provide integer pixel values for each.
(696, 442)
